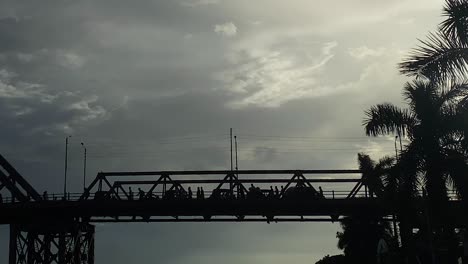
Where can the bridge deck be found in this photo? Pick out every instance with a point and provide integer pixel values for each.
(185, 210)
(191, 210)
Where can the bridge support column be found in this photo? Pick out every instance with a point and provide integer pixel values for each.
(54, 243)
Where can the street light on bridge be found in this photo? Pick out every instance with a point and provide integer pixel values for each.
(84, 167)
(66, 168)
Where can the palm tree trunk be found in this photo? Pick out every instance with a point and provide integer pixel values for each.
(406, 234)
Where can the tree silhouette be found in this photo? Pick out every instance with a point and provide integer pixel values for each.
(361, 232)
(436, 153)
(378, 177)
(337, 259)
(444, 55)
(360, 236)
(435, 157)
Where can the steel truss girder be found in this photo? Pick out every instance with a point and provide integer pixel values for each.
(18, 187)
(107, 187)
(52, 243)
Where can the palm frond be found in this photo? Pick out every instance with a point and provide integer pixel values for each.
(383, 175)
(385, 163)
(420, 94)
(435, 104)
(373, 174)
(462, 123)
(383, 119)
(437, 59)
(366, 164)
(391, 180)
(409, 170)
(454, 121)
(454, 92)
(457, 169)
(455, 26)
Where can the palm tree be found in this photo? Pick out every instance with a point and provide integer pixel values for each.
(395, 191)
(444, 55)
(362, 231)
(435, 155)
(360, 236)
(378, 177)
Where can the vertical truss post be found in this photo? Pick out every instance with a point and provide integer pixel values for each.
(61, 244)
(13, 244)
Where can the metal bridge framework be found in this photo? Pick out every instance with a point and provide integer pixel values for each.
(57, 229)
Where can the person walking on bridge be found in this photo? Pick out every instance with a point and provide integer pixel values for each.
(190, 193)
(141, 194)
(130, 193)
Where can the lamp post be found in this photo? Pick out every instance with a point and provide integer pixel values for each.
(66, 168)
(84, 167)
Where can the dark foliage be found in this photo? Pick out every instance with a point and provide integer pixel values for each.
(443, 55)
(336, 259)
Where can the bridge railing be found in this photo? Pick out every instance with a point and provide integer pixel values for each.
(329, 194)
(76, 196)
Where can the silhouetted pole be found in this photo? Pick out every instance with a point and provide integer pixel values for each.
(66, 168)
(396, 150)
(395, 232)
(230, 136)
(84, 167)
(237, 167)
(399, 136)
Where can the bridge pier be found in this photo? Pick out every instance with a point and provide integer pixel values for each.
(52, 243)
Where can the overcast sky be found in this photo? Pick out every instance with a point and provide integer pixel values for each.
(155, 85)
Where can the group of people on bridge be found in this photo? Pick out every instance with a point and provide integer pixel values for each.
(236, 192)
(253, 192)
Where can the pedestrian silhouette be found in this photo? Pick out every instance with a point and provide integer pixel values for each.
(241, 193)
(141, 194)
(202, 193)
(130, 193)
(189, 193)
(45, 196)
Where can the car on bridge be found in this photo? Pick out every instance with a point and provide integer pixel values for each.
(301, 193)
(222, 194)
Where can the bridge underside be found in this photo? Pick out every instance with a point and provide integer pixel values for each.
(186, 210)
(52, 244)
(193, 210)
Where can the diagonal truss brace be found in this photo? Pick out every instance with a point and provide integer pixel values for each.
(18, 187)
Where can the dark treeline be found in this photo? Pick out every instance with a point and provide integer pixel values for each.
(433, 160)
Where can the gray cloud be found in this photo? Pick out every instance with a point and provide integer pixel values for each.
(273, 75)
(363, 52)
(227, 29)
(195, 3)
